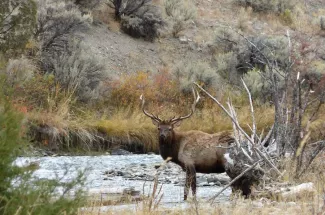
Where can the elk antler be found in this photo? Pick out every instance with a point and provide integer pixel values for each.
(153, 117)
(196, 100)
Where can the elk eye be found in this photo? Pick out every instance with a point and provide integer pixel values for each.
(170, 129)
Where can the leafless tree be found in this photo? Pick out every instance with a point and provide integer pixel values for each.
(294, 99)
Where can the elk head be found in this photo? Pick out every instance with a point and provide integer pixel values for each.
(165, 127)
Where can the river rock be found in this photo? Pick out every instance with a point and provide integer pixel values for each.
(131, 191)
(219, 179)
(157, 165)
(120, 152)
(151, 153)
(170, 173)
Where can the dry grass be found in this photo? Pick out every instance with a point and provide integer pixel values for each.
(105, 14)
(237, 206)
(130, 127)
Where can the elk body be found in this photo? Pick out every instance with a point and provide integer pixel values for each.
(194, 151)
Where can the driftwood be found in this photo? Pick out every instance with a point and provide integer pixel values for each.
(286, 191)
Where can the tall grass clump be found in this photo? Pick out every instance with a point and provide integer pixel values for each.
(20, 193)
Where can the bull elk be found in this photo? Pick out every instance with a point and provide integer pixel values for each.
(195, 151)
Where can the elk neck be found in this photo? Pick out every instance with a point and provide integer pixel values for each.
(170, 147)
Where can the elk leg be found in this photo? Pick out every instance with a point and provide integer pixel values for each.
(193, 181)
(187, 183)
(190, 181)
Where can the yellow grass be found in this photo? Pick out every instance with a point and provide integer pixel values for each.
(129, 127)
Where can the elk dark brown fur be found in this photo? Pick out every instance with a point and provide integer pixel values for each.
(195, 151)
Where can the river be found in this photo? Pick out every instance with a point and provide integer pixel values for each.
(114, 173)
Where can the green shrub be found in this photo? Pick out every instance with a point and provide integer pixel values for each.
(226, 65)
(181, 12)
(127, 8)
(56, 23)
(145, 22)
(139, 18)
(258, 82)
(19, 71)
(78, 72)
(87, 4)
(286, 17)
(62, 54)
(20, 193)
(277, 6)
(240, 54)
(200, 72)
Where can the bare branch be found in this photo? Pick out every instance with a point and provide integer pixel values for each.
(252, 108)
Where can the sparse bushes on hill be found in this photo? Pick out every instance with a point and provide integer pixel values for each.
(181, 12)
(56, 22)
(199, 72)
(78, 72)
(278, 6)
(87, 4)
(138, 18)
(145, 22)
(17, 22)
(274, 48)
(246, 55)
(127, 8)
(61, 55)
(226, 65)
(259, 85)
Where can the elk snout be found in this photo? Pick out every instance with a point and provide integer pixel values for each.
(163, 136)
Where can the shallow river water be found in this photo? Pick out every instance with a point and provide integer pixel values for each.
(133, 171)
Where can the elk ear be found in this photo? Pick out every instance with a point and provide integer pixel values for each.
(177, 124)
(155, 122)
